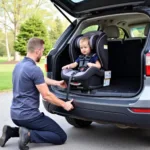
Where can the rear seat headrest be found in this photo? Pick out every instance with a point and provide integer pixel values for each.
(147, 29)
(112, 31)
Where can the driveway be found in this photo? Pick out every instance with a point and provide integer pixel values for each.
(96, 137)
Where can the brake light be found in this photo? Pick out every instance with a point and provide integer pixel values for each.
(140, 110)
(147, 67)
(45, 65)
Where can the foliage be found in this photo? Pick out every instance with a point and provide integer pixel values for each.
(2, 48)
(121, 33)
(2, 51)
(33, 27)
(18, 11)
(2, 43)
(56, 31)
(14, 12)
(138, 31)
(90, 28)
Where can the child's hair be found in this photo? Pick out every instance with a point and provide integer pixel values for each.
(84, 39)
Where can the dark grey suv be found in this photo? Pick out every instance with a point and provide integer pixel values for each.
(126, 101)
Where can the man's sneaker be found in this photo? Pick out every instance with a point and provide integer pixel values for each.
(6, 135)
(24, 138)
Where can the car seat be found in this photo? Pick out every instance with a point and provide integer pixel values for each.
(112, 32)
(93, 77)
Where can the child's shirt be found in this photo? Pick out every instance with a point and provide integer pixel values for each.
(82, 61)
(93, 59)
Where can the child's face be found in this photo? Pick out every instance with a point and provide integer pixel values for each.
(85, 48)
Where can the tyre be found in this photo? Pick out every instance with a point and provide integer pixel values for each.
(78, 123)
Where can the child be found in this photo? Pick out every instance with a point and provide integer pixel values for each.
(91, 60)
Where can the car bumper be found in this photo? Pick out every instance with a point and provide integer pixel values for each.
(110, 114)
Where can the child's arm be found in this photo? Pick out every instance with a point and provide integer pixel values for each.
(97, 64)
(70, 66)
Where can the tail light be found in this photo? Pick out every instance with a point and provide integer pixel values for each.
(140, 110)
(148, 64)
(45, 65)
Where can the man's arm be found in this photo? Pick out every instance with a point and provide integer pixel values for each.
(50, 97)
(61, 83)
(50, 81)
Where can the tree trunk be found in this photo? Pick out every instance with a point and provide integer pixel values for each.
(6, 38)
(7, 47)
(17, 55)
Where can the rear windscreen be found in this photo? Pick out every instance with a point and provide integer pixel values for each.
(77, 1)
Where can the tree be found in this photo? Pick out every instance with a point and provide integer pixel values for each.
(2, 46)
(18, 10)
(2, 51)
(3, 43)
(33, 27)
(3, 12)
(55, 31)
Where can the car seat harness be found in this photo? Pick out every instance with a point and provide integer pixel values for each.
(83, 60)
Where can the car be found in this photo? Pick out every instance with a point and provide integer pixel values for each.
(125, 101)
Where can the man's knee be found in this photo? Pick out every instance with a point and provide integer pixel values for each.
(63, 139)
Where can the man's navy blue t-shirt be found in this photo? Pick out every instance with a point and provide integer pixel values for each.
(26, 97)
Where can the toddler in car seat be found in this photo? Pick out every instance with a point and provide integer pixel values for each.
(86, 59)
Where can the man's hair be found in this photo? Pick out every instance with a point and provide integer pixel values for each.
(83, 39)
(34, 43)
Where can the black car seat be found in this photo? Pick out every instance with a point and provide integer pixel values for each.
(92, 77)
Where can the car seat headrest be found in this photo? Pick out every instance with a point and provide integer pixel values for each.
(112, 31)
(92, 39)
(147, 29)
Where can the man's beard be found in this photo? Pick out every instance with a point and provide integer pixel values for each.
(38, 59)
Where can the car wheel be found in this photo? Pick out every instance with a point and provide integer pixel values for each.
(78, 123)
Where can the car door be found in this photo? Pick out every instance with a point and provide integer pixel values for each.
(78, 8)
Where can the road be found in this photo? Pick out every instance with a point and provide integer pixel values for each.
(96, 137)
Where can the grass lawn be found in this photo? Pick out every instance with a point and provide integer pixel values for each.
(6, 75)
(3, 59)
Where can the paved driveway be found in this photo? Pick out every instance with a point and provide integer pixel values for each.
(97, 137)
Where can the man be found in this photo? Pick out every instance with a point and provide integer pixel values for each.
(28, 83)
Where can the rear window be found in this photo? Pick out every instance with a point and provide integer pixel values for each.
(137, 31)
(122, 34)
(77, 1)
(90, 28)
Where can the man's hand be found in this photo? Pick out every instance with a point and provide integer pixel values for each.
(61, 84)
(68, 106)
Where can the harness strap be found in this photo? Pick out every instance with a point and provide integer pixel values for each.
(68, 88)
(83, 60)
